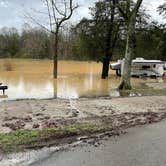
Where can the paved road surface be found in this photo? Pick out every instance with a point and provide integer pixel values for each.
(141, 146)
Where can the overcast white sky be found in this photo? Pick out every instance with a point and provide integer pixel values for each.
(11, 11)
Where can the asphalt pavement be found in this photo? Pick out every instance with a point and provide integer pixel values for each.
(140, 146)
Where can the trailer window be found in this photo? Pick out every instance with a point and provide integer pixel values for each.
(145, 67)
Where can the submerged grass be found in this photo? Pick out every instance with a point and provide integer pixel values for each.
(143, 92)
(22, 139)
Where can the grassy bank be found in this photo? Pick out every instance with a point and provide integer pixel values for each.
(33, 139)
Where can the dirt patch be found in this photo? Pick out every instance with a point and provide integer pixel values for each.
(32, 114)
(72, 130)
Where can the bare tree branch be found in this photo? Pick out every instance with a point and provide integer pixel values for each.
(39, 12)
(49, 14)
(55, 8)
(124, 15)
(27, 15)
(128, 6)
(70, 14)
(162, 10)
(137, 6)
(65, 6)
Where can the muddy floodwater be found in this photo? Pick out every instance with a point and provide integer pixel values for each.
(33, 79)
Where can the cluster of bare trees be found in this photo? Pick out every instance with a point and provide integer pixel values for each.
(33, 42)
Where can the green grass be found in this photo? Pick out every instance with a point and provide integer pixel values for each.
(19, 140)
(12, 141)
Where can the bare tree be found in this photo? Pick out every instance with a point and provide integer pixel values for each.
(58, 12)
(162, 9)
(129, 16)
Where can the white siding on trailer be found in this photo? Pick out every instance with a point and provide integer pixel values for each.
(146, 68)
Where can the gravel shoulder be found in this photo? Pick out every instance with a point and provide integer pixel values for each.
(32, 114)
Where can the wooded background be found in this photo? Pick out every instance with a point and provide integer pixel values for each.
(85, 40)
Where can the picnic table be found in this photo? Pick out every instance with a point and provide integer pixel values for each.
(3, 88)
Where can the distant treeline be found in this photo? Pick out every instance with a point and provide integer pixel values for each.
(31, 42)
(81, 42)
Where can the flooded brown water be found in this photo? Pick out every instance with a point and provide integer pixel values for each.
(33, 79)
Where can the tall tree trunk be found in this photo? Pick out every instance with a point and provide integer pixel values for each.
(108, 54)
(108, 51)
(130, 46)
(55, 57)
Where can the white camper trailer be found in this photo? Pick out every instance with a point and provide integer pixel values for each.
(141, 67)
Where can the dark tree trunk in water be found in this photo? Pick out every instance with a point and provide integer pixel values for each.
(55, 57)
(106, 63)
(109, 44)
(55, 68)
(105, 70)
